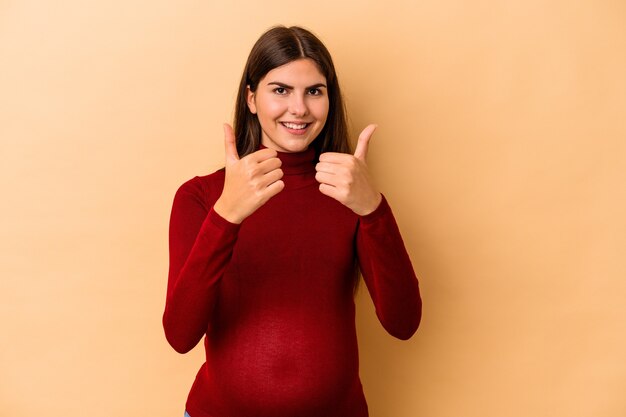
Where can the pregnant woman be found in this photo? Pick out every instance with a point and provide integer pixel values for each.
(265, 253)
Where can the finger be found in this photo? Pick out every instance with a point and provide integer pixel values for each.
(262, 155)
(325, 178)
(272, 176)
(363, 142)
(230, 143)
(331, 191)
(269, 165)
(274, 188)
(335, 157)
(327, 167)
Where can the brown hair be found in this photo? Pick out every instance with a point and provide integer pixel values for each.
(279, 46)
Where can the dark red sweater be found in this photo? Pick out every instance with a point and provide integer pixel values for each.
(274, 296)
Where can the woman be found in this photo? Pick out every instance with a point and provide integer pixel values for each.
(264, 253)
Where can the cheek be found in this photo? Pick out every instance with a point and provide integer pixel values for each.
(270, 109)
(321, 110)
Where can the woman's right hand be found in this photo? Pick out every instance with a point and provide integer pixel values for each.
(250, 181)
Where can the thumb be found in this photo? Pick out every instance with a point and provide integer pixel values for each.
(230, 144)
(363, 143)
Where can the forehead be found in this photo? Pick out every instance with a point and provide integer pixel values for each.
(302, 71)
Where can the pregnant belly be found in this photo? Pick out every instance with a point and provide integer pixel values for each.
(281, 366)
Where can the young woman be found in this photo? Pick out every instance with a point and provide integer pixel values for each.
(264, 253)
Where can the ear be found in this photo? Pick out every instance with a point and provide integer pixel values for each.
(250, 100)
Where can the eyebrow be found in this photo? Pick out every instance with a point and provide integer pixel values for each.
(283, 85)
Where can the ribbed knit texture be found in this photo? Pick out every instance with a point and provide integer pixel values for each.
(274, 296)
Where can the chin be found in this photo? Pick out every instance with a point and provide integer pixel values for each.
(293, 145)
(296, 147)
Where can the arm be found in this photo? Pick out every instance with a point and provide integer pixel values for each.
(201, 244)
(383, 260)
(388, 273)
(202, 236)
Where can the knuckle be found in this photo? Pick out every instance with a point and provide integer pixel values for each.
(255, 183)
(253, 172)
(259, 194)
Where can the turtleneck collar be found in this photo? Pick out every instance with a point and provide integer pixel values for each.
(295, 163)
(298, 168)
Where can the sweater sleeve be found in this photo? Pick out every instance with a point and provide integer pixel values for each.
(201, 244)
(388, 273)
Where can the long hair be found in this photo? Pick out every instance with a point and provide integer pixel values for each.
(279, 46)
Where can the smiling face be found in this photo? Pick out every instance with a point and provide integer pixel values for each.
(291, 103)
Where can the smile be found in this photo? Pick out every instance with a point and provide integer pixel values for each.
(295, 126)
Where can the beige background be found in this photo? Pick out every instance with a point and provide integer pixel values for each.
(501, 148)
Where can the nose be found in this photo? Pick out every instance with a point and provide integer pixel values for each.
(297, 105)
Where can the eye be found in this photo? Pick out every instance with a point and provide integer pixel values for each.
(315, 92)
(280, 90)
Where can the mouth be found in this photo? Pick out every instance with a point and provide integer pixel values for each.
(295, 128)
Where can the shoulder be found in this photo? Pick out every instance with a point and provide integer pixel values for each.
(204, 190)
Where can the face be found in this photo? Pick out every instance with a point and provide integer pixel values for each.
(291, 103)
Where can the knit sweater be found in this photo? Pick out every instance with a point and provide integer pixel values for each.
(273, 297)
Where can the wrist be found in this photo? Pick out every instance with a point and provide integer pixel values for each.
(370, 208)
(224, 211)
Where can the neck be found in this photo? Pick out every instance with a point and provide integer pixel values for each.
(297, 163)
(298, 168)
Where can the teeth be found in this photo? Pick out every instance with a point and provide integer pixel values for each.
(294, 126)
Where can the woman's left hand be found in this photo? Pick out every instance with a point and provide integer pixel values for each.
(345, 177)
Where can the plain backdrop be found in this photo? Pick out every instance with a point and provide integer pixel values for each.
(501, 148)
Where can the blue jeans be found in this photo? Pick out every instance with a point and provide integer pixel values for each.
(187, 414)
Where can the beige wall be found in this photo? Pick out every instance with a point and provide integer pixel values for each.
(501, 148)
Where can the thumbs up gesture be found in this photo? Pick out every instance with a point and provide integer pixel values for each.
(249, 182)
(345, 177)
